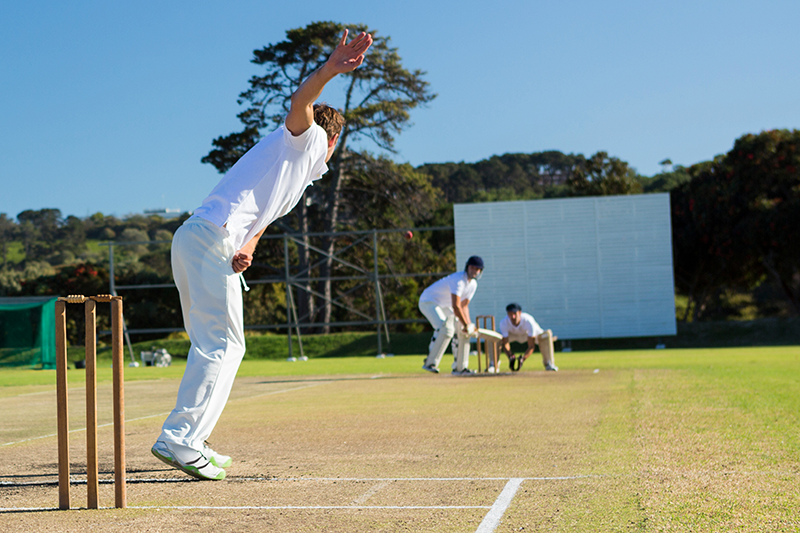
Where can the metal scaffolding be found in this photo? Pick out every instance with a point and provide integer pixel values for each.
(301, 282)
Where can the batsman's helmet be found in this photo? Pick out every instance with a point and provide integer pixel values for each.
(474, 261)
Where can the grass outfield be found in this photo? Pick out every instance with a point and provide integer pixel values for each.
(657, 440)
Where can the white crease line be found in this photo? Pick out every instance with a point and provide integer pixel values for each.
(390, 479)
(279, 507)
(370, 493)
(160, 414)
(382, 481)
(492, 519)
(257, 507)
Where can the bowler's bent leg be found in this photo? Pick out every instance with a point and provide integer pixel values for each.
(211, 300)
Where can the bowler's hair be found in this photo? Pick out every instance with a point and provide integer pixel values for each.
(329, 119)
(513, 308)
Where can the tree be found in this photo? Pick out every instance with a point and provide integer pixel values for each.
(601, 175)
(39, 230)
(734, 223)
(7, 230)
(766, 171)
(665, 181)
(379, 193)
(377, 100)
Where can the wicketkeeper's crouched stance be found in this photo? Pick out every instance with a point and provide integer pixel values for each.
(521, 327)
(446, 306)
(213, 248)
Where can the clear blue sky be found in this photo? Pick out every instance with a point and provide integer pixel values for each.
(109, 106)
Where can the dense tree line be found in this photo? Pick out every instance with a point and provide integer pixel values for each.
(735, 251)
(735, 228)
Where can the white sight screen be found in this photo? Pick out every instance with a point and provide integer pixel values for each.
(584, 267)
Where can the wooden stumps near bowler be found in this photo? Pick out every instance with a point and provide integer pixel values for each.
(92, 470)
(120, 492)
(62, 403)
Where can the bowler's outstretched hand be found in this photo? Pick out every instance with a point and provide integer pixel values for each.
(349, 56)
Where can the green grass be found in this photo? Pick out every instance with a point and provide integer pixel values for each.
(763, 332)
(669, 440)
(777, 364)
(259, 367)
(272, 346)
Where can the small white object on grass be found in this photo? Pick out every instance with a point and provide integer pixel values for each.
(380, 356)
(596, 371)
(291, 359)
(303, 358)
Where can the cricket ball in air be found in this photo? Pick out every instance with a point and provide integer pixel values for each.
(409, 235)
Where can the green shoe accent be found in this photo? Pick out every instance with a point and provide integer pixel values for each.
(225, 464)
(189, 468)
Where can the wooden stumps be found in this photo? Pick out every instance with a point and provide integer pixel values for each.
(92, 470)
(486, 323)
(63, 404)
(120, 493)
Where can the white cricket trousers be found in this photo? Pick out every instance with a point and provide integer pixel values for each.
(446, 325)
(211, 300)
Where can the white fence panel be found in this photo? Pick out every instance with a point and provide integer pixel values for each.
(583, 267)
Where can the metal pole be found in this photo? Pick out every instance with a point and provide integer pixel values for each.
(288, 291)
(383, 313)
(296, 324)
(112, 290)
(377, 289)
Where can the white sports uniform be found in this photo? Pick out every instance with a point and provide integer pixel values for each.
(437, 305)
(528, 327)
(265, 184)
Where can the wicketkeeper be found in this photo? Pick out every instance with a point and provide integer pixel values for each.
(446, 306)
(521, 327)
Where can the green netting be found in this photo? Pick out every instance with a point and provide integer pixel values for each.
(27, 332)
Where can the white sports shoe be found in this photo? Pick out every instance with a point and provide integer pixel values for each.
(216, 459)
(191, 461)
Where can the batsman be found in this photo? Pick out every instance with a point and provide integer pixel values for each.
(446, 306)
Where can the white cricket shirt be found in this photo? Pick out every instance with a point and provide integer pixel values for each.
(266, 182)
(528, 327)
(440, 292)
